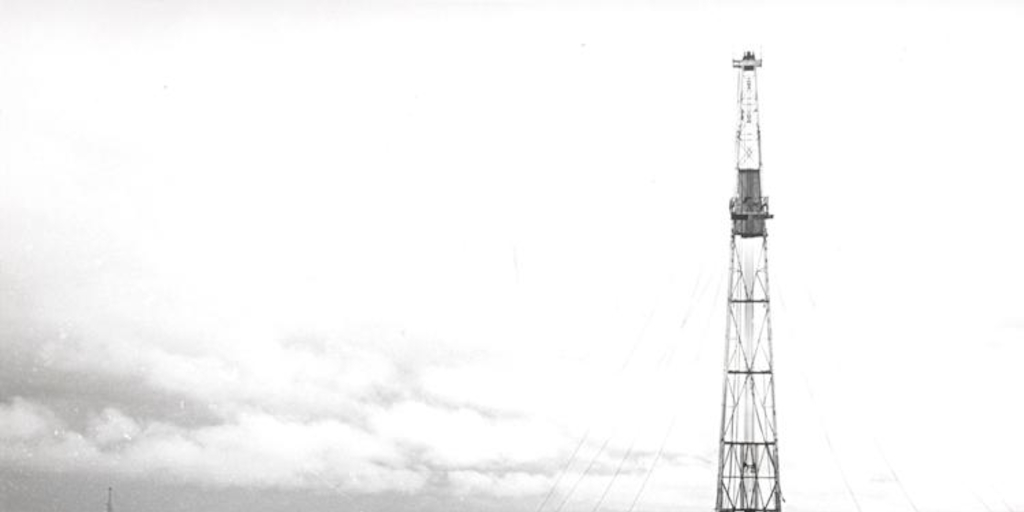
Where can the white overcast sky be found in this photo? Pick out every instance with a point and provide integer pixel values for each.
(399, 256)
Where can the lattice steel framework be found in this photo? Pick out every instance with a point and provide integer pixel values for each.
(748, 459)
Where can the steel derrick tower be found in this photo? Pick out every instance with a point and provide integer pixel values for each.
(748, 456)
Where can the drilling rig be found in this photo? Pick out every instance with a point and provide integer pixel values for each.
(748, 456)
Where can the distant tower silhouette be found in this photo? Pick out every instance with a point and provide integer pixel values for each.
(748, 457)
(110, 499)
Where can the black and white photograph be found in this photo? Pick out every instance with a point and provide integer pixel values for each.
(511, 256)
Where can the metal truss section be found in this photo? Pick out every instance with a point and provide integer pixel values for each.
(748, 470)
(748, 126)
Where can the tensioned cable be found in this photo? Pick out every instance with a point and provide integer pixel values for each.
(828, 441)
(889, 466)
(669, 354)
(666, 356)
(660, 366)
(696, 287)
(821, 422)
(565, 469)
(906, 494)
(824, 428)
(707, 322)
(675, 417)
(586, 436)
(639, 339)
(878, 447)
(978, 497)
(654, 463)
(586, 472)
(896, 477)
(622, 462)
(666, 360)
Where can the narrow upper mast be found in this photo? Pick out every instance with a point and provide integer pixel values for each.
(749, 208)
(748, 131)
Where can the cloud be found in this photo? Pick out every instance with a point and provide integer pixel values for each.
(256, 449)
(309, 412)
(404, 447)
(464, 437)
(261, 450)
(512, 484)
(112, 427)
(23, 420)
(241, 372)
(34, 436)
